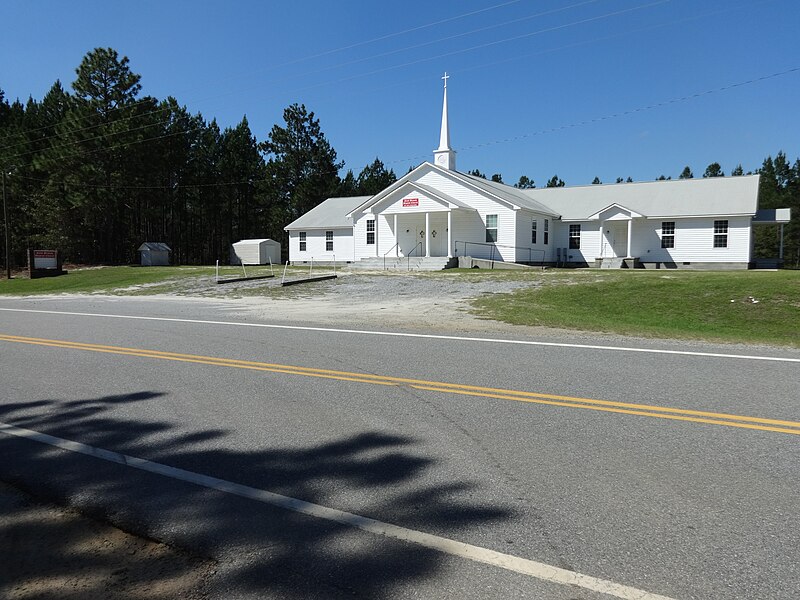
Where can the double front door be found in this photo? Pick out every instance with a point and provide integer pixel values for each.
(411, 236)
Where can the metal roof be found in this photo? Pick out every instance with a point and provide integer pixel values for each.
(331, 213)
(256, 241)
(154, 247)
(677, 198)
(514, 196)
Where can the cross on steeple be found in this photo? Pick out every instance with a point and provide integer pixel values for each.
(446, 77)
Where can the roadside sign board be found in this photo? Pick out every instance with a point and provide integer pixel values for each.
(44, 263)
(45, 259)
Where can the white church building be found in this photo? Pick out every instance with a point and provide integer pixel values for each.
(437, 211)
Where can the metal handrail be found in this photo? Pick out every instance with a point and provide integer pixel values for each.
(493, 247)
(384, 256)
(408, 256)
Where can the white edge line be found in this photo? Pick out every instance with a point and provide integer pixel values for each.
(416, 335)
(453, 547)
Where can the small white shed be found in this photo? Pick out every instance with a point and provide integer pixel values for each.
(154, 254)
(256, 252)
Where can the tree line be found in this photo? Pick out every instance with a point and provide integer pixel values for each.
(98, 170)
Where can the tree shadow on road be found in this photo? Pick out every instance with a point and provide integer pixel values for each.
(261, 550)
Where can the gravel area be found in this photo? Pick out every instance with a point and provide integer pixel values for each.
(416, 300)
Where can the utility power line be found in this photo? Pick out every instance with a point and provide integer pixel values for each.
(305, 59)
(573, 125)
(382, 70)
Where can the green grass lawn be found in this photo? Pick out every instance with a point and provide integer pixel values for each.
(118, 280)
(681, 304)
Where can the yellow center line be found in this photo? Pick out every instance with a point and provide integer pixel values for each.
(662, 412)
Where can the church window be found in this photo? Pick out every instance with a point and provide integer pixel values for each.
(668, 234)
(371, 231)
(328, 241)
(302, 241)
(574, 237)
(721, 234)
(533, 231)
(491, 228)
(546, 231)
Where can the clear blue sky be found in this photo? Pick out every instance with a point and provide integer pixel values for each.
(530, 80)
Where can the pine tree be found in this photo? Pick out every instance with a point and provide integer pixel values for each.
(302, 168)
(686, 173)
(713, 170)
(374, 178)
(554, 181)
(596, 181)
(525, 183)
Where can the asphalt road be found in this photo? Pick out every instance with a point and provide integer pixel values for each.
(558, 454)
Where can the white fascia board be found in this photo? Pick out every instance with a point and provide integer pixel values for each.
(380, 195)
(701, 216)
(322, 228)
(632, 213)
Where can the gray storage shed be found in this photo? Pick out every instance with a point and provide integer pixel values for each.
(256, 252)
(154, 254)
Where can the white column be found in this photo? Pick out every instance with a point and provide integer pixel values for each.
(450, 234)
(396, 244)
(377, 253)
(602, 254)
(630, 229)
(427, 234)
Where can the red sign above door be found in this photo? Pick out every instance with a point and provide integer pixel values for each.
(410, 202)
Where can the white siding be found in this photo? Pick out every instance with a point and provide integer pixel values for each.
(361, 248)
(540, 251)
(694, 241)
(470, 227)
(423, 204)
(590, 241)
(315, 245)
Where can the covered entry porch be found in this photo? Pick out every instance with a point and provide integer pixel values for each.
(428, 234)
(615, 248)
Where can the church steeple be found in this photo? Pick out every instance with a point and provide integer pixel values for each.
(444, 156)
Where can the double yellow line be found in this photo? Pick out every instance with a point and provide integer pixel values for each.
(659, 412)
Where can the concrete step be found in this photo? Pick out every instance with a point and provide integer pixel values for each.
(413, 263)
(612, 263)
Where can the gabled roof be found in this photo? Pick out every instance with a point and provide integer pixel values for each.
(154, 247)
(506, 194)
(331, 213)
(619, 208)
(678, 198)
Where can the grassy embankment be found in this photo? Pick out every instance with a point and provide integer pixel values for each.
(741, 306)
